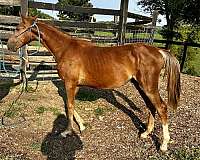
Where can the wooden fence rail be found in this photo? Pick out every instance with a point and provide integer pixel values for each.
(10, 2)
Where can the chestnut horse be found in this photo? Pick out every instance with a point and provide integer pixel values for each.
(81, 63)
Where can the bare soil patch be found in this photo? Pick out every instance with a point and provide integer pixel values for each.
(114, 120)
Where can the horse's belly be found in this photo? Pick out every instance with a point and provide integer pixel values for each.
(107, 80)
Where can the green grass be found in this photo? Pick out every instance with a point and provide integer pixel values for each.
(14, 109)
(101, 33)
(196, 62)
(30, 89)
(179, 154)
(55, 111)
(99, 111)
(35, 146)
(12, 113)
(40, 110)
(183, 154)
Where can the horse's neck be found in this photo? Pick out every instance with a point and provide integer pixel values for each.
(53, 39)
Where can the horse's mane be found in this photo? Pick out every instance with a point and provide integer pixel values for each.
(58, 30)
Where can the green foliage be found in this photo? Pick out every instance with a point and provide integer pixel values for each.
(176, 12)
(189, 34)
(15, 10)
(38, 13)
(191, 12)
(165, 33)
(64, 15)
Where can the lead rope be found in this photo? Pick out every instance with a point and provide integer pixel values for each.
(22, 90)
(3, 124)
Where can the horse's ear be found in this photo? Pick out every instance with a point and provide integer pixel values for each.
(22, 17)
(35, 18)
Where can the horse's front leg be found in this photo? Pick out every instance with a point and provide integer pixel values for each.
(71, 91)
(78, 119)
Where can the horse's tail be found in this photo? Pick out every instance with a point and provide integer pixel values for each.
(172, 70)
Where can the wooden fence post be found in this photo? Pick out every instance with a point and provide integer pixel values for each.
(154, 18)
(184, 56)
(122, 21)
(24, 12)
(153, 25)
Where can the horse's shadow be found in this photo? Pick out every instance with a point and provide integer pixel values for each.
(5, 86)
(55, 147)
(90, 94)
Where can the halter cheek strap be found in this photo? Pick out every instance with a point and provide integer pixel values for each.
(38, 31)
(29, 28)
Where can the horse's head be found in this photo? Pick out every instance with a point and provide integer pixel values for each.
(23, 34)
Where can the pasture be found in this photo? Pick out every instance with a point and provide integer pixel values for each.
(114, 119)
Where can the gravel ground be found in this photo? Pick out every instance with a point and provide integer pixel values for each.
(114, 120)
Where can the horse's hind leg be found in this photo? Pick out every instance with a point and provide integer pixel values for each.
(150, 126)
(149, 83)
(162, 111)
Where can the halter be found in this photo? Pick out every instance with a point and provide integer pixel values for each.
(29, 30)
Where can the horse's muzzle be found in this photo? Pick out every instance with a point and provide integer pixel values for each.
(12, 45)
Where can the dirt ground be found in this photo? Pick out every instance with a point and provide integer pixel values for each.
(114, 120)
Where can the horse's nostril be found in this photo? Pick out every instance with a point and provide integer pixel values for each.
(11, 46)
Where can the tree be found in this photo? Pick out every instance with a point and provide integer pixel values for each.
(191, 12)
(172, 9)
(64, 15)
(14, 10)
(38, 13)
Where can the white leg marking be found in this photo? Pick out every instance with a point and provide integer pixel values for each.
(166, 138)
(79, 121)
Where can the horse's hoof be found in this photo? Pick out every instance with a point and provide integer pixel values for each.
(66, 133)
(163, 147)
(82, 128)
(144, 135)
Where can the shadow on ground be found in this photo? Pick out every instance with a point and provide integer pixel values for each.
(56, 147)
(5, 86)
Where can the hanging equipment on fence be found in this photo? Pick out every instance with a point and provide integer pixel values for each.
(3, 64)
